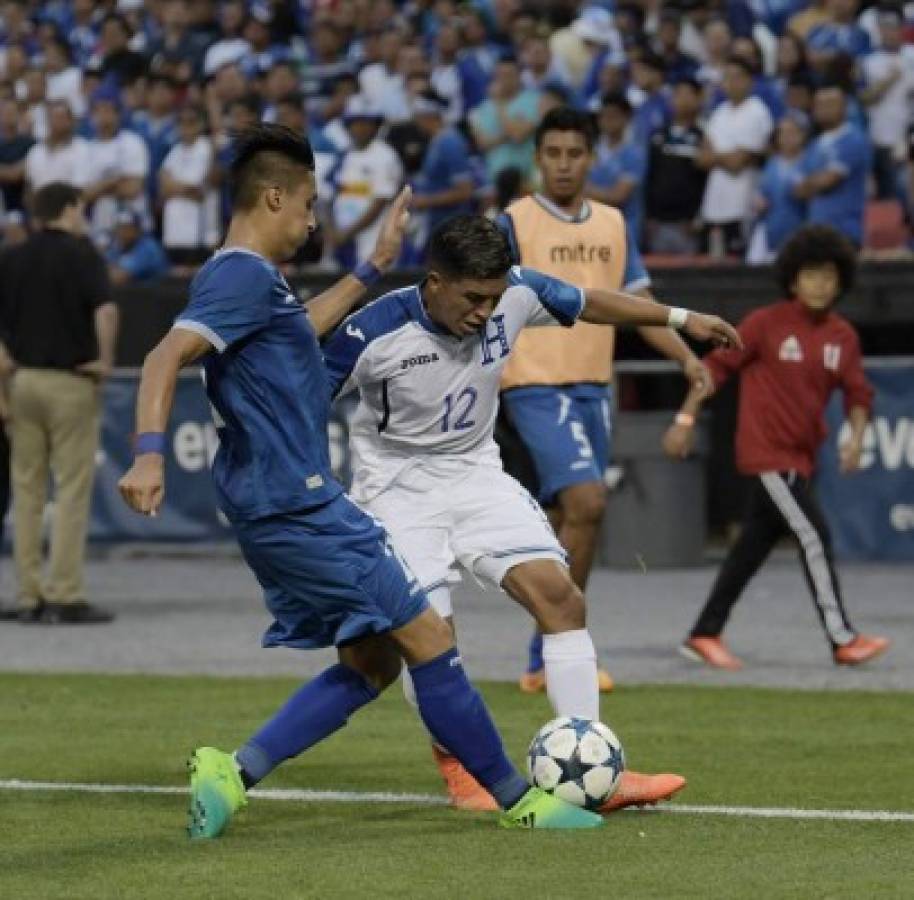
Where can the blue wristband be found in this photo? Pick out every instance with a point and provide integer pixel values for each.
(366, 272)
(149, 442)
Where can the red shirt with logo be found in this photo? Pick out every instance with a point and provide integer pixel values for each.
(792, 361)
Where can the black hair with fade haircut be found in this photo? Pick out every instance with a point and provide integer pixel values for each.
(267, 155)
(812, 246)
(470, 247)
(51, 200)
(566, 118)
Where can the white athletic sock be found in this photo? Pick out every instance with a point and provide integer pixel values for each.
(409, 689)
(571, 674)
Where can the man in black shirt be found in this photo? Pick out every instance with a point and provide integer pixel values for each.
(58, 324)
(675, 184)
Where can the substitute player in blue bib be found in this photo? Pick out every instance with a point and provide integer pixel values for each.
(329, 573)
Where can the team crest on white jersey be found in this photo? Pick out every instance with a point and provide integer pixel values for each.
(791, 351)
(831, 356)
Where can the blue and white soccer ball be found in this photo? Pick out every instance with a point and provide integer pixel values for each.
(578, 760)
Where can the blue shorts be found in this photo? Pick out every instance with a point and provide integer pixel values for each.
(566, 430)
(329, 576)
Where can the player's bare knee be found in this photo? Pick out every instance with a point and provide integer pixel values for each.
(545, 589)
(568, 610)
(583, 504)
(378, 662)
(383, 671)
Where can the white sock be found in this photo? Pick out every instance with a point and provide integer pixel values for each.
(571, 674)
(409, 689)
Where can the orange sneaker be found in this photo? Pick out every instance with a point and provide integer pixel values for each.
(535, 682)
(861, 649)
(710, 650)
(464, 791)
(636, 789)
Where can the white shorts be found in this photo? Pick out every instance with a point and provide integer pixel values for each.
(478, 517)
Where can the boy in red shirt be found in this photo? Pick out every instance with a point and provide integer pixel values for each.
(796, 353)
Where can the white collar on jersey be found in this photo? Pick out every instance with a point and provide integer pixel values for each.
(221, 250)
(553, 210)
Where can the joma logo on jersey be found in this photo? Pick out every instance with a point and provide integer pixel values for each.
(422, 360)
(580, 253)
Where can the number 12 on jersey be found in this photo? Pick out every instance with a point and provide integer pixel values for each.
(457, 410)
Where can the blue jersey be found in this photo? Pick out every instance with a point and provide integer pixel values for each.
(835, 37)
(845, 150)
(627, 162)
(446, 164)
(266, 381)
(784, 212)
(144, 261)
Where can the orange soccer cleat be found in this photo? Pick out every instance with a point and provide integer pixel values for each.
(535, 682)
(636, 789)
(710, 650)
(861, 649)
(464, 791)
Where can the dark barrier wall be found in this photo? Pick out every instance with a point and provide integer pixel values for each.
(882, 304)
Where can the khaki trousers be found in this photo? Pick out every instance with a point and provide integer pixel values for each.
(55, 418)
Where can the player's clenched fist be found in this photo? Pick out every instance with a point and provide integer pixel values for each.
(712, 328)
(143, 486)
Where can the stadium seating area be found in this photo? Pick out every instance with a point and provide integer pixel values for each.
(137, 104)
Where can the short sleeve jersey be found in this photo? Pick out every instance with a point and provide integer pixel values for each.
(267, 384)
(424, 391)
(846, 150)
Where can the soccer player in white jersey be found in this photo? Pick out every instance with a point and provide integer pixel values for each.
(426, 361)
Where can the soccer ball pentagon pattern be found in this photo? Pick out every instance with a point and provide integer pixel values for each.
(578, 760)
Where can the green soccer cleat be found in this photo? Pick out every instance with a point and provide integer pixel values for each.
(216, 792)
(537, 809)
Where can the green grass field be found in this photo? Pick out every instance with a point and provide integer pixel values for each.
(738, 747)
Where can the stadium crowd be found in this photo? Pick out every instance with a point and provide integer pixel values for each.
(724, 124)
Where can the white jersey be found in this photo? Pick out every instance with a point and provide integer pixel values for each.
(424, 392)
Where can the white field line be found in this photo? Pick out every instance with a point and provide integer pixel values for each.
(306, 796)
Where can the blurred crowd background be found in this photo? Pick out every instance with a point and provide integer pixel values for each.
(722, 124)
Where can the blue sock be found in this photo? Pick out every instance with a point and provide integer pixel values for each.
(535, 660)
(458, 719)
(312, 713)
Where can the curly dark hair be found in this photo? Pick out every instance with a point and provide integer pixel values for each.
(812, 246)
(469, 247)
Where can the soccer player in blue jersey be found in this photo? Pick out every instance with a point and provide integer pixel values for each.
(329, 573)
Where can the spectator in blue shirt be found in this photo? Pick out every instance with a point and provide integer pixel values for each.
(840, 35)
(157, 124)
(445, 183)
(503, 126)
(618, 176)
(782, 212)
(835, 167)
(134, 256)
(678, 66)
(654, 112)
(476, 62)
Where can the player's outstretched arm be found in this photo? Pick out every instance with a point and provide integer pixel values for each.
(329, 308)
(143, 486)
(618, 308)
(679, 438)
